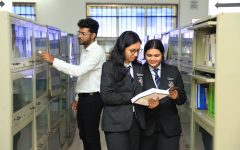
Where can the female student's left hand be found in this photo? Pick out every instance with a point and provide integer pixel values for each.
(173, 93)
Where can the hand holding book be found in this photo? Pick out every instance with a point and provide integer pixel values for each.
(153, 93)
(153, 103)
(173, 93)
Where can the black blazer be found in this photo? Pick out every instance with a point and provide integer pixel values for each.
(165, 116)
(118, 109)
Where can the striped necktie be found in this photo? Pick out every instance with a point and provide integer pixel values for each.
(157, 78)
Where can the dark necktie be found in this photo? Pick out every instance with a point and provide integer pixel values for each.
(131, 79)
(129, 74)
(157, 78)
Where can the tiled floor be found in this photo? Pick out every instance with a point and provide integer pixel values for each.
(77, 143)
(184, 114)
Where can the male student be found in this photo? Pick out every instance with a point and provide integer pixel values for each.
(88, 102)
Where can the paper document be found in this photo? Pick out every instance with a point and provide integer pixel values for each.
(142, 98)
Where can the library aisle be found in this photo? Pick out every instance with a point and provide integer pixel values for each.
(184, 140)
(77, 143)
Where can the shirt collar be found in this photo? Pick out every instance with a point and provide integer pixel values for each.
(127, 65)
(151, 68)
(91, 46)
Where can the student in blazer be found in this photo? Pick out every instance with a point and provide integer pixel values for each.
(122, 121)
(163, 127)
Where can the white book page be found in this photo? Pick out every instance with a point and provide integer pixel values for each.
(153, 93)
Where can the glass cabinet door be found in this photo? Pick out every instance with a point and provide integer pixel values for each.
(186, 44)
(42, 124)
(22, 140)
(40, 36)
(54, 112)
(22, 89)
(54, 41)
(54, 81)
(41, 83)
(21, 41)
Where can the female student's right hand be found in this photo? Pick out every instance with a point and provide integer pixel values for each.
(153, 103)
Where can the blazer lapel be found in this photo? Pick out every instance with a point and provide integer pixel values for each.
(163, 77)
(148, 80)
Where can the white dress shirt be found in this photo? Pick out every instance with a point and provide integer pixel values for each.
(88, 71)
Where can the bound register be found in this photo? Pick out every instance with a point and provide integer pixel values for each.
(142, 98)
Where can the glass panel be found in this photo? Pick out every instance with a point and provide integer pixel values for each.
(64, 46)
(75, 46)
(64, 102)
(42, 124)
(55, 80)
(22, 92)
(41, 83)
(54, 43)
(23, 139)
(187, 42)
(54, 114)
(40, 40)
(17, 10)
(53, 141)
(173, 45)
(164, 39)
(23, 9)
(187, 80)
(63, 131)
(28, 10)
(21, 41)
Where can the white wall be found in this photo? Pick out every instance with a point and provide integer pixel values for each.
(213, 10)
(187, 13)
(7, 6)
(65, 14)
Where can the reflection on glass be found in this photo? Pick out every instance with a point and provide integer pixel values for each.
(55, 79)
(63, 103)
(54, 112)
(22, 92)
(187, 42)
(23, 139)
(54, 43)
(63, 132)
(41, 83)
(53, 141)
(187, 85)
(21, 41)
(42, 124)
(75, 48)
(40, 40)
(164, 39)
(174, 45)
(64, 46)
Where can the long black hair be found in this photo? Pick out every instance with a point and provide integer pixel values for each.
(154, 44)
(117, 56)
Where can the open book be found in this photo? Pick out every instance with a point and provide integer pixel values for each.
(142, 98)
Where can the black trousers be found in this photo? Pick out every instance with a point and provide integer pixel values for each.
(159, 141)
(88, 117)
(126, 140)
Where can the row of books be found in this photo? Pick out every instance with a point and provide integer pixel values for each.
(205, 97)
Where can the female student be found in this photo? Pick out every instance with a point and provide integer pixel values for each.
(162, 121)
(121, 80)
